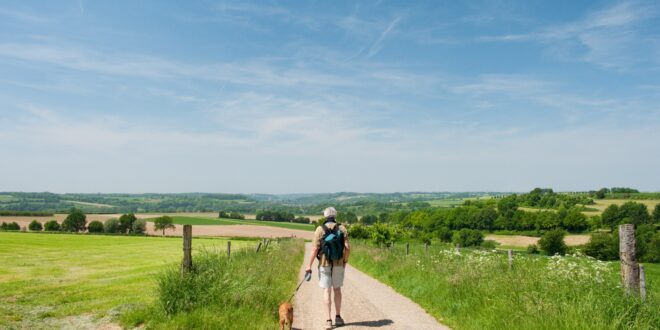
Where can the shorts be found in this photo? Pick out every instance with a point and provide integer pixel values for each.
(331, 277)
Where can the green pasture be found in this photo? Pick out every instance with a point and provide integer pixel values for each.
(204, 221)
(82, 281)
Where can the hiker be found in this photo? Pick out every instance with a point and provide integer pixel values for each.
(331, 248)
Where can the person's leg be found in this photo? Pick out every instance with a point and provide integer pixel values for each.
(337, 297)
(328, 303)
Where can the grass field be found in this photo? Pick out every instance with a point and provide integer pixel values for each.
(476, 290)
(192, 220)
(602, 204)
(83, 281)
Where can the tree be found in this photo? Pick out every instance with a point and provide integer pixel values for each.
(139, 227)
(603, 246)
(507, 206)
(553, 242)
(575, 220)
(637, 212)
(368, 219)
(95, 227)
(111, 226)
(656, 214)
(126, 223)
(600, 194)
(346, 217)
(75, 221)
(35, 226)
(468, 237)
(164, 222)
(10, 226)
(52, 226)
(611, 216)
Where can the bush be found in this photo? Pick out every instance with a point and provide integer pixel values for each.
(75, 221)
(553, 242)
(382, 234)
(52, 225)
(653, 249)
(444, 234)
(488, 244)
(358, 231)
(139, 227)
(533, 249)
(35, 226)
(301, 220)
(95, 227)
(467, 237)
(10, 226)
(111, 226)
(603, 246)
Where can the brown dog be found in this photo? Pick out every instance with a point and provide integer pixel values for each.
(286, 315)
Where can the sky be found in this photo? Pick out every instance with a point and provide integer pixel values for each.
(328, 96)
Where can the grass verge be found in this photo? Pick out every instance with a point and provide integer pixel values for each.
(241, 292)
(476, 290)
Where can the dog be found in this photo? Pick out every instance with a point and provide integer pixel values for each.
(286, 315)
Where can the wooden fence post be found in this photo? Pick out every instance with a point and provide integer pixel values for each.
(426, 248)
(510, 259)
(642, 283)
(407, 248)
(186, 263)
(258, 247)
(228, 249)
(629, 266)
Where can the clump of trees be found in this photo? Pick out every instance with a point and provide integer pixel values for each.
(10, 226)
(75, 221)
(52, 225)
(35, 226)
(468, 237)
(126, 224)
(95, 227)
(605, 246)
(279, 216)
(553, 243)
(230, 215)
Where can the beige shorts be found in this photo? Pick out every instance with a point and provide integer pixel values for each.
(331, 277)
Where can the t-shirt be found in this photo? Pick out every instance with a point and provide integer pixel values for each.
(318, 235)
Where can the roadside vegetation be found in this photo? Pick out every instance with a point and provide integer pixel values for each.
(241, 292)
(474, 289)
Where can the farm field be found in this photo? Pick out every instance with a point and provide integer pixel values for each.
(476, 290)
(82, 281)
(524, 241)
(602, 204)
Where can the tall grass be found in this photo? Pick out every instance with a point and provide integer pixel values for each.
(241, 292)
(476, 290)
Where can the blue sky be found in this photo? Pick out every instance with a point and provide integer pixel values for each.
(374, 96)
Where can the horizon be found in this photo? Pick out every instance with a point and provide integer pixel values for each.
(283, 97)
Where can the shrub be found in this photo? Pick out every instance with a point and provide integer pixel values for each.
(139, 227)
(643, 237)
(301, 220)
(533, 249)
(653, 249)
(368, 219)
(358, 231)
(444, 234)
(111, 226)
(10, 226)
(603, 246)
(52, 225)
(488, 244)
(468, 237)
(126, 223)
(553, 242)
(75, 221)
(95, 227)
(35, 226)
(382, 234)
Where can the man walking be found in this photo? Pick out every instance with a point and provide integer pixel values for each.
(331, 248)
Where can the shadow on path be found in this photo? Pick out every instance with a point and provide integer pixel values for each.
(371, 324)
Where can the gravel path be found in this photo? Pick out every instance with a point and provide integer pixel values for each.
(366, 304)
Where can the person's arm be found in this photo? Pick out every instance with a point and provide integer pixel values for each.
(347, 248)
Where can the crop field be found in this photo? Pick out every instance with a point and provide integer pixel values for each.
(602, 204)
(83, 281)
(193, 220)
(475, 289)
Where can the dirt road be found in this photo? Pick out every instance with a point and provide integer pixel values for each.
(367, 304)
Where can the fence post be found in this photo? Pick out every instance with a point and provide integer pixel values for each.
(642, 283)
(186, 263)
(228, 249)
(258, 247)
(458, 248)
(426, 248)
(510, 259)
(407, 248)
(629, 266)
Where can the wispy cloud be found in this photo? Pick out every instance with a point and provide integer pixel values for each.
(377, 45)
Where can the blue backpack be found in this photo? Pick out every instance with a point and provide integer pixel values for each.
(332, 243)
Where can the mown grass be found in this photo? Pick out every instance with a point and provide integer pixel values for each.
(241, 292)
(51, 281)
(476, 290)
(203, 221)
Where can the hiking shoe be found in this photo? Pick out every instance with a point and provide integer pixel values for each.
(339, 321)
(328, 325)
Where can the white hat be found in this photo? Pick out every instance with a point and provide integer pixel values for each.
(330, 212)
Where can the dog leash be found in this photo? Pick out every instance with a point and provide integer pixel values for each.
(308, 276)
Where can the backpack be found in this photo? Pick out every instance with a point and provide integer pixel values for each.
(332, 243)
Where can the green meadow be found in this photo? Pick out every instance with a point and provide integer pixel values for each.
(84, 281)
(204, 221)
